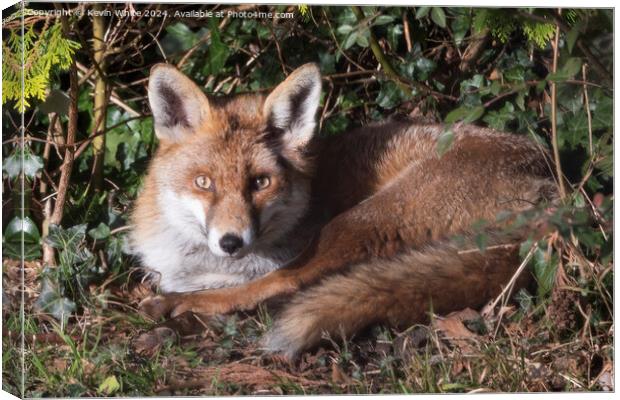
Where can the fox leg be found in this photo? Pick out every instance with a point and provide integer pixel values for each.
(377, 227)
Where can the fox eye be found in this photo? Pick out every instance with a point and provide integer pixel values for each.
(203, 182)
(261, 182)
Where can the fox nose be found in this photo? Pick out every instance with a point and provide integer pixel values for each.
(230, 243)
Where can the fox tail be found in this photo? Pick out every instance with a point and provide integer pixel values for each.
(398, 291)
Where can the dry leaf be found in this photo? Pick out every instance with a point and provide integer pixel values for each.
(149, 342)
(455, 331)
(457, 366)
(59, 365)
(188, 324)
(339, 376)
(495, 75)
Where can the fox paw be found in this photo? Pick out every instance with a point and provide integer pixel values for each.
(172, 305)
(158, 306)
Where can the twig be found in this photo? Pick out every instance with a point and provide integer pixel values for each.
(473, 50)
(501, 96)
(406, 32)
(586, 83)
(600, 220)
(67, 164)
(123, 228)
(48, 251)
(488, 248)
(326, 104)
(554, 120)
(100, 95)
(51, 182)
(516, 275)
(161, 49)
(278, 50)
(587, 105)
(349, 74)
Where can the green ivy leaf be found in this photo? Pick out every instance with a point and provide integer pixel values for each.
(350, 40)
(14, 229)
(395, 32)
(568, 70)
(515, 74)
(438, 16)
(12, 164)
(602, 115)
(477, 81)
(218, 51)
(422, 12)
(336, 124)
(327, 62)
(13, 250)
(390, 95)
(32, 164)
(424, 66)
(456, 115)
(499, 118)
(60, 238)
(362, 39)
(179, 38)
(465, 114)
(474, 114)
(572, 36)
(524, 299)
(344, 29)
(572, 66)
(460, 27)
(495, 88)
(444, 142)
(544, 269)
(76, 390)
(51, 301)
(574, 131)
(383, 19)
(101, 232)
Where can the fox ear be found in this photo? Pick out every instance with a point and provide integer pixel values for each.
(292, 106)
(179, 106)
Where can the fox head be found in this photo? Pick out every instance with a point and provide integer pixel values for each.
(234, 173)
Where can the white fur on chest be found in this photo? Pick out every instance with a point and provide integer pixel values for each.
(184, 266)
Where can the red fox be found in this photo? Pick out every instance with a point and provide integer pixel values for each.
(243, 203)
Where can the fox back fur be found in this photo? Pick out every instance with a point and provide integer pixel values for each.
(362, 222)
